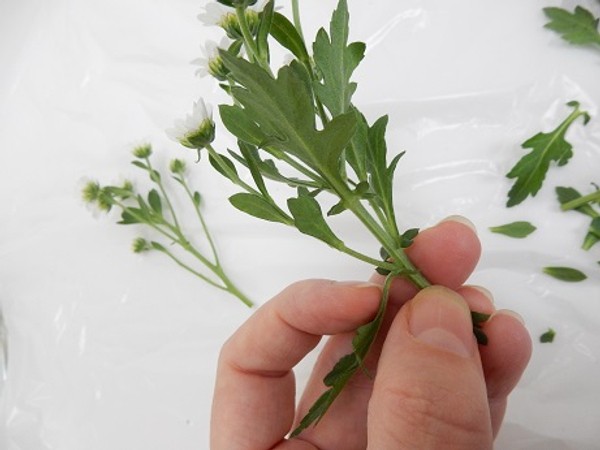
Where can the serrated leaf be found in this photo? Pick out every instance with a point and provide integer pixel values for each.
(518, 230)
(257, 206)
(579, 27)
(155, 202)
(336, 61)
(347, 366)
(565, 273)
(546, 148)
(309, 220)
(283, 109)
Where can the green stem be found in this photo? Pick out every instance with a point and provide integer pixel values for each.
(202, 221)
(158, 182)
(251, 48)
(401, 260)
(581, 201)
(297, 20)
(365, 258)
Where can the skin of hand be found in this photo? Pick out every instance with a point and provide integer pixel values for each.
(431, 385)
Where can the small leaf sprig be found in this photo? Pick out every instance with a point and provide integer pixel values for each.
(579, 27)
(530, 171)
(156, 211)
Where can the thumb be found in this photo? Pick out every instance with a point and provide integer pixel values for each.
(429, 390)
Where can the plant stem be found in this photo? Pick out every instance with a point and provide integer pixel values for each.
(401, 260)
(157, 180)
(581, 201)
(202, 221)
(297, 20)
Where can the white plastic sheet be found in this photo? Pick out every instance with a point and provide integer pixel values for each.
(111, 350)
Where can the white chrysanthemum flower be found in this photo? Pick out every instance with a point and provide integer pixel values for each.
(216, 14)
(197, 130)
(210, 63)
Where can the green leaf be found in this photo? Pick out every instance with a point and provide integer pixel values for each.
(550, 147)
(579, 27)
(519, 229)
(197, 198)
(140, 164)
(283, 109)
(565, 273)
(356, 153)
(250, 157)
(347, 366)
(266, 20)
(286, 34)
(381, 175)
(155, 202)
(407, 238)
(593, 235)
(241, 125)
(230, 173)
(308, 218)
(478, 318)
(258, 206)
(130, 216)
(548, 336)
(336, 60)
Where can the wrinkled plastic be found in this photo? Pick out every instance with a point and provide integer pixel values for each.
(111, 350)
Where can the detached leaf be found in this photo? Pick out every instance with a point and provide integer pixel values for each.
(579, 27)
(336, 60)
(548, 336)
(531, 169)
(565, 273)
(308, 218)
(518, 230)
(257, 206)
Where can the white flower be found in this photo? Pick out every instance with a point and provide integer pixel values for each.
(210, 62)
(214, 13)
(197, 130)
(226, 18)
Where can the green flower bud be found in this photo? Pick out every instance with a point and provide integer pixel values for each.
(177, 166)
(140, 245)
(142, 151)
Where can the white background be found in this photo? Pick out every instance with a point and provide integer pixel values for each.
(111, 350)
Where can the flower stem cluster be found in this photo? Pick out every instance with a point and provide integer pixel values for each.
(155, 211)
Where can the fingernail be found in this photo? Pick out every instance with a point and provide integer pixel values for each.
(358, 284)
(460, 219)
(441, 318)
(510, 313)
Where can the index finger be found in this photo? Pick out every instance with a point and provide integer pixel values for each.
(254, 400)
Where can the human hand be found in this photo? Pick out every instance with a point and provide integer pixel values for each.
(433, 386)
